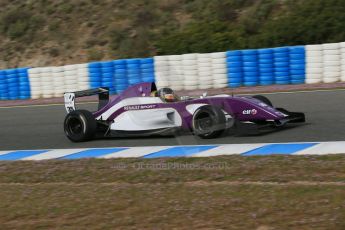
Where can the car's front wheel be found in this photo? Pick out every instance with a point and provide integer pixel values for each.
(208, 122)
(80, 125)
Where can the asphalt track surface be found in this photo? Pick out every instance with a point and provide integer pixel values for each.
(41, 127)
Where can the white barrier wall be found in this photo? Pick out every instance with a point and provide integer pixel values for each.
(48, 82)
(325, 63)
(342, 62)
(219, 70)
(191, 71)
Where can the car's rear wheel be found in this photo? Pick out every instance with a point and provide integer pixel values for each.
(263, 99)
(208, 122)
(80, 125)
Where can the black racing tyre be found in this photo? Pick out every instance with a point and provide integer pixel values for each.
(80, 125)
(208, 122)
(263, 99)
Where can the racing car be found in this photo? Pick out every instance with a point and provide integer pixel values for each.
(142, 109)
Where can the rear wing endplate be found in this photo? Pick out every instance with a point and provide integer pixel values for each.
(103, 97)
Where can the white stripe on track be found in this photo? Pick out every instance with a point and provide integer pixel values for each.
(53, 154)
(230, 149)
(324, 148)
(5, 152)
(135, 152)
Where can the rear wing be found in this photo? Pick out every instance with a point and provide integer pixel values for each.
(103, 97)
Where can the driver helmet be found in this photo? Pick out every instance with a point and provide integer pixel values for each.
(166, 94)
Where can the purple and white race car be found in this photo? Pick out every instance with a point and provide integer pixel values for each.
(144, 110)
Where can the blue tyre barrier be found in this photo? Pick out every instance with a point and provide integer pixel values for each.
(107, 64)
(144, 79)
(251, 74)
(107, 69)
(234, 65)
(297, 71)
(94, 65)
(133, 81)
(148, 75)
(266, 61)
(146, 61)
(235, 75)
(279, 74)
(120, 81)
(297, 77)
(120, 71)
(281, 69)
(282, 59)
(235, 80)
(234, 85)
(264, 83)
(235, 70)
(143, 71)
(250, 69)
(266, 70)
(133, 71)
(133, 75)
(281, 55)
(234, 59)
(266, 56)
(297, 56)
(146, 66)
(265, 51)
(250, 64)
(297, 62)
(249, 52)
(281, 49)
(270, 65)
(250, 58)
(281, 64)
(282, 82)
(250, 79)
(120, 76)
(133, 66)
(266, 78)
(282, 78)
(107, 84)
(297, 50)
(118, 67)
(132, 61)
(107, 80)
(296, 82)
(297, 67)
(250, 83)
(270, 74)
(11, 71)
(94, 70)
(119, 62)
(95, 76)
(107, 75)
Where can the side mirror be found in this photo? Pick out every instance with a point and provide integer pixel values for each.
(204, 95)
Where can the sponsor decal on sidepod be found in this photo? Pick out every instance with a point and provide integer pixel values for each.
(249, 112)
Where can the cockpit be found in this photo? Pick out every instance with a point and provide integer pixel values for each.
(166, 94)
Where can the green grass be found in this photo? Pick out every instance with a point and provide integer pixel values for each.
(271, 192)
